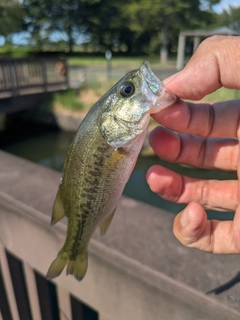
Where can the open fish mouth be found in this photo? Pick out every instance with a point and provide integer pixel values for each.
(160, 97)
(154, 84)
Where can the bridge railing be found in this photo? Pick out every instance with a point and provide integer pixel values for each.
(137, 271)
(29, 76)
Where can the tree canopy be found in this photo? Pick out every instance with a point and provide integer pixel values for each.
(11, 15)
(135, 26)
(231, 18)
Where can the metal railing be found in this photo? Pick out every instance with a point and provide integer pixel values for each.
(29, 76)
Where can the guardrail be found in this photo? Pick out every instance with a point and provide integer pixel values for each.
(30, 76)
(137, 271)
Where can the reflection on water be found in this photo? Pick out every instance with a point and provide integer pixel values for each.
(48, 147)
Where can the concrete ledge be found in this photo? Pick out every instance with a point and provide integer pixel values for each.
(136, 271)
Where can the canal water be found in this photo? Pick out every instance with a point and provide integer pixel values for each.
(48, 147)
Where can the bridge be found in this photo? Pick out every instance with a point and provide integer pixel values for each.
(23, 80)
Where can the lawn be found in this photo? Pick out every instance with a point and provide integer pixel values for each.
(117, 62)
(89, 93)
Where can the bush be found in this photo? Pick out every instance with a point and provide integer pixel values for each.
(68, 99)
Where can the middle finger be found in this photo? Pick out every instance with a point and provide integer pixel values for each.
(195, 151)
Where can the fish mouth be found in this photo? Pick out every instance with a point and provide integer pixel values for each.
(160, 96)
(154, 84)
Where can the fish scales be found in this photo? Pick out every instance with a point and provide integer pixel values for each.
(93, 193)
(100, 161)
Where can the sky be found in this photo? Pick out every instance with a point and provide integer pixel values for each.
(224, 4)
(23, 37)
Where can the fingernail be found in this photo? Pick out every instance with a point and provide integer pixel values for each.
(169, 79)
(185, 218)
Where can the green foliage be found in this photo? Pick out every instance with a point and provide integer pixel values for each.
(222, 94)
(231, 18)
(71, 99)
(163, 20)
(46, 16)
(117, 63)
(68, 99)
(11, 15)
(14, 52)
(133, 26)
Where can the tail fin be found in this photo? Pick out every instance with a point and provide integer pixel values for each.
(78, 267)
(56, 267)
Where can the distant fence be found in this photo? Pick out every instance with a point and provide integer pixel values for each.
(30, 76)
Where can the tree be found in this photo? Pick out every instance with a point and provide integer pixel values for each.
(43, 17)
(231, 18)
(135, 25)
(11, 15)
(107, 23)
(140, 25)
(167, 18)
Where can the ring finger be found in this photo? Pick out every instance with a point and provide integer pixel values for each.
(211, 194)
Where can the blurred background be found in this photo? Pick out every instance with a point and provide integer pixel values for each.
(135, 27)
(81, 48)
(58, 57)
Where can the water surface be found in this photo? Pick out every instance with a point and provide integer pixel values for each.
(48, 147)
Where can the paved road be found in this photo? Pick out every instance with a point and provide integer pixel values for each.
(79, 75)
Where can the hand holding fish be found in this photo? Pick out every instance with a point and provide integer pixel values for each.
(205, 136)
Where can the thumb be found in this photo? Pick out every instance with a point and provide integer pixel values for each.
(190, 225)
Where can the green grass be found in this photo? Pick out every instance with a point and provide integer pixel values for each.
(69, 99)
(99, 86)
(117, 62)
(222, 94)
(14, 52)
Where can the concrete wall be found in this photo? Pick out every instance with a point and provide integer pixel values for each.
(136, 271)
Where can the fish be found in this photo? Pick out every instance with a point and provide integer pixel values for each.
(99, 163)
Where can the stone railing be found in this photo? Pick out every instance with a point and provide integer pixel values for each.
(138, 270)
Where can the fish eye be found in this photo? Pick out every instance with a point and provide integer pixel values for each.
(127, 89)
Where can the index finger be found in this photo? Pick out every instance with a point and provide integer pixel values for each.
(214, 64)
(205, 120)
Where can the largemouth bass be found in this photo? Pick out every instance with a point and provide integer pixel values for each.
(100, 161)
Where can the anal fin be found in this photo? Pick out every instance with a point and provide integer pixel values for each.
(104, 225)
(58, 209)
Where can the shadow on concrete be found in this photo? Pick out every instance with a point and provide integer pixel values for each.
(226, 285)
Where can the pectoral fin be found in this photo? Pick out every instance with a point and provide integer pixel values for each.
(106, 223)
(58, 209)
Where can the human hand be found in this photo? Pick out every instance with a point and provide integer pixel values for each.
(205, 136)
